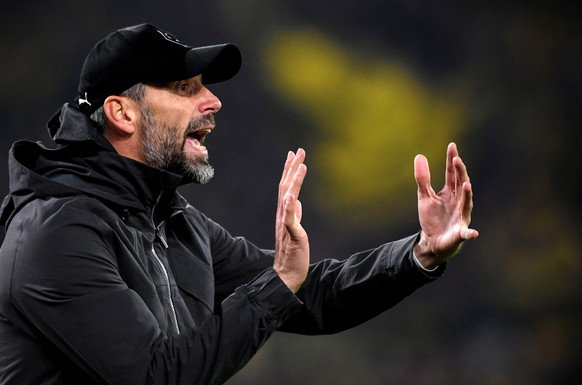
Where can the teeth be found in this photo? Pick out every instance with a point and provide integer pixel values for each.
(200, 132)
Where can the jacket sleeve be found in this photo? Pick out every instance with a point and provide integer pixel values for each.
(338, 293)
(66, 284)
(236, 261)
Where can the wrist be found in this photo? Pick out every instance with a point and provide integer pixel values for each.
(424, 256)
(291, 279)
(421, 266)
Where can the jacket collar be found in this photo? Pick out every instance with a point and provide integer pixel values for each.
(84, 162)
(71, 125)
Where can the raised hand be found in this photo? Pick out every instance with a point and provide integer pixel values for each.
(444, 217)
(291, 243)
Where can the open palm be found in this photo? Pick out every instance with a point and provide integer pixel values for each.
(444, 216)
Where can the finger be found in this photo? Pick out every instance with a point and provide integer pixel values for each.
(450, 171)
(291, 164)
(298, 160)
(467, 202)
(284, 175)
(290, 218)
(468, 234)
(461, 171)
(293, 175)
(297, 180)
(467, 208)
(279, 228)
(422, 176)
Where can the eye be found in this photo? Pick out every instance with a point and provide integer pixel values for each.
(187, 87)
(183, 88)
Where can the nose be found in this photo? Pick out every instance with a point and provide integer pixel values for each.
(210, 103)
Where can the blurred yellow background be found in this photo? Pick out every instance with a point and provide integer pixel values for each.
(364, 86)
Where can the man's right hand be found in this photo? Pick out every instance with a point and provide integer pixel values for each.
(291, 243)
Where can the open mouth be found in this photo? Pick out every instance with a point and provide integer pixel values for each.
(195, 141)
(199, 136)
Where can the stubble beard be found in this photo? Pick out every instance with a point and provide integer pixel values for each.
(164, 147)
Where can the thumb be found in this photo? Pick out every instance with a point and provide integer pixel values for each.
(292, 215)
(422, 175)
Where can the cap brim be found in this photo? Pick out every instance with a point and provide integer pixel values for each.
(215, 63)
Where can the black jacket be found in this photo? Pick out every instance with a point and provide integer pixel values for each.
(108, 276)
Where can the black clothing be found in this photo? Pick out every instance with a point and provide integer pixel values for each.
(108, 276)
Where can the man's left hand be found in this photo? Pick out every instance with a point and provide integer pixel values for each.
(445, 216)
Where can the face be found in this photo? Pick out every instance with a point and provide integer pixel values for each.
(176, 118)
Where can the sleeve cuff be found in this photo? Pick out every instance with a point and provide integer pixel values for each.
(268, 290)
(422, 267)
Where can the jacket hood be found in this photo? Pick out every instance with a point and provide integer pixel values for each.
(69, 124)
(84, 164)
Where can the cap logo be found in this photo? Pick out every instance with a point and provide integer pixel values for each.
(171, 38)
(84, 100)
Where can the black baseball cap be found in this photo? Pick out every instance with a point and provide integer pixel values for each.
(145, 53)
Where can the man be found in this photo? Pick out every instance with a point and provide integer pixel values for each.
(108, 276)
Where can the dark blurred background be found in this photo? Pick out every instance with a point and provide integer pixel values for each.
(363, 86)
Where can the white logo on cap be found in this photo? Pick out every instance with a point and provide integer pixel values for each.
(84, 100)
(171, 38)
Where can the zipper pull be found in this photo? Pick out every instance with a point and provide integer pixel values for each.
(162, 239)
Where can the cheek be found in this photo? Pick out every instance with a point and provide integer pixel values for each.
(176, 128)
(178, 137)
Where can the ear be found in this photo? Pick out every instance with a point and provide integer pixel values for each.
(122, 114)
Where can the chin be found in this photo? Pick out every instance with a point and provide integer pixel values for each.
(200, 172)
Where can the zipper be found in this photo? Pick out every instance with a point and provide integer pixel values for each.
(165, 271)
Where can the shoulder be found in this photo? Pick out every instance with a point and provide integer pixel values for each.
(58, 212)
(57, 241)
(44, 226)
